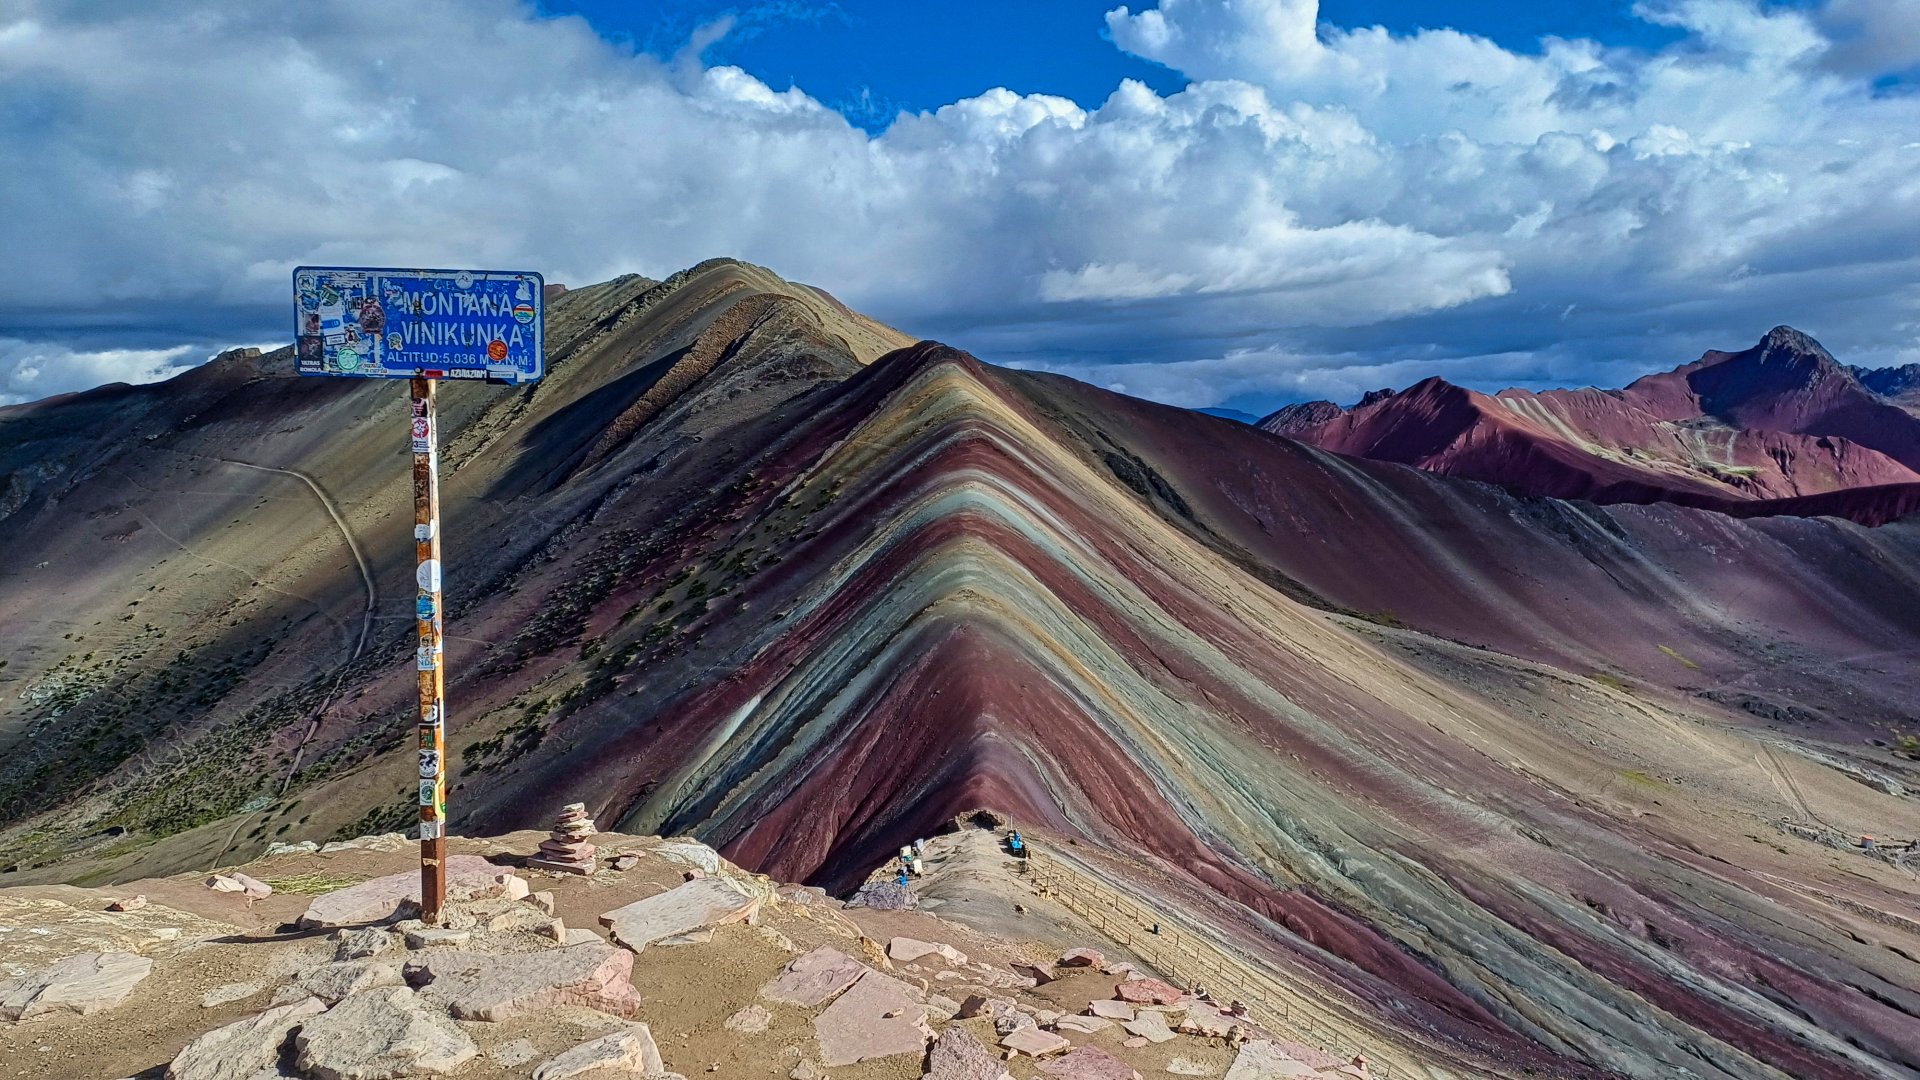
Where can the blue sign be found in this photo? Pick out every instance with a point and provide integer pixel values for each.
(372, 323)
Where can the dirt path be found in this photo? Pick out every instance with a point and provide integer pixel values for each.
(359, 646)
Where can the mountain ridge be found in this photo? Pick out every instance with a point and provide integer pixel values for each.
(1778, 422)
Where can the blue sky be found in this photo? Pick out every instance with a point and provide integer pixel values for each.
(1205, 202)
(871, 59)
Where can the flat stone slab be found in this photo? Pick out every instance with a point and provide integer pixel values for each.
(361, 944)
(957, 1055)
(245, 1048)
(1264, 1061)
(482, 986)
(1084, 1025)
(814, 977)
(630, 1052)
(1089, 1063)
(469, 877)
(83, 984)
(877, 1017)
(1209, 1020)
(1112, 1010)
(331, 982)
(1151, 1026)
(1148, 992)
(907, 950)
(381, 1034)
(1033, 1042)
(1081, 958)
(692, 906)
(690, 853)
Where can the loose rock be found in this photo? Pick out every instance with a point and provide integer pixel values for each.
(629, 1052)
(1082, 958)
(381, 1035)
(331, 982)
(814, 977)
(877, 1017)
(751, 1020)
(478, 986)
(243, 1049)
(690, 853)
(384, 898)
(1033, 1042)
(83, 984)
(684, 908)
(1262, 1060)
(430, 936)
(361, 943)
(1151, 1026)
(1148, 991)
(1112, 1010)
(1089, 1063)
(131, 903)
(959, 1056)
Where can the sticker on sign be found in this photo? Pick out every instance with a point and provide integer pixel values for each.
(373, 323)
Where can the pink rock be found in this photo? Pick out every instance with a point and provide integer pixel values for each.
(468, 877)
(253, 888)
(682, 909)
(480, 986)
(1082, 958)
(1312, 1056)
(1207, 1020)
(814, 977)
(960, 1056)
(1112, 1010)
(1148, 992)
(1151, 1026)
(1039, 974)
(877, 1017)
(1089, 1063)
(1034, 1042)
(982, 1005)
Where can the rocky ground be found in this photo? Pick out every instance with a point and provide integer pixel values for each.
(667, 960)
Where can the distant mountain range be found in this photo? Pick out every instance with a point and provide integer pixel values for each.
(1511, 787)
(1777, 428)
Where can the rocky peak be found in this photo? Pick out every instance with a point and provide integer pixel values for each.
(1785, 339)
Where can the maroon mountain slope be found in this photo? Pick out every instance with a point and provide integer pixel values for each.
(1779, 421)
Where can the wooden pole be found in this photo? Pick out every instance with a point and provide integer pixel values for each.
(433, 707)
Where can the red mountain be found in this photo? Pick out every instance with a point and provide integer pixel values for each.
(1779, 421)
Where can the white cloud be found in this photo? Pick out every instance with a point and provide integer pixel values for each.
(30, 370)
(1348, 194)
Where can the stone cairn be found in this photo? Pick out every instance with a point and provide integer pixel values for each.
(565, 849)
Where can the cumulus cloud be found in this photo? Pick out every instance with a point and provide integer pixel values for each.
(1373, 201)
(30, 370)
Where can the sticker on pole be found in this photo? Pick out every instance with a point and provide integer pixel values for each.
(373, 323)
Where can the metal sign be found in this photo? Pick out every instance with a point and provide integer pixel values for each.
(423, 325)
(373, 323)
